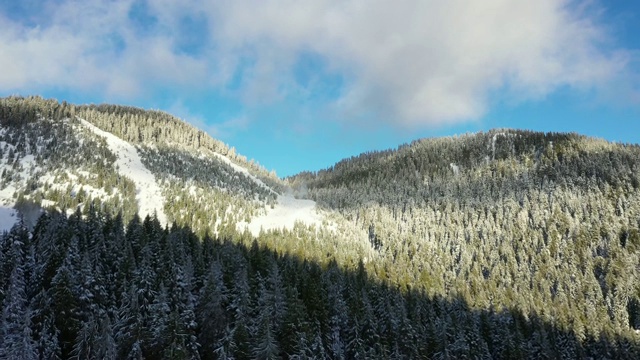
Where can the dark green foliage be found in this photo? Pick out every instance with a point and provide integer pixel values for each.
(248, 303)
(200, 190)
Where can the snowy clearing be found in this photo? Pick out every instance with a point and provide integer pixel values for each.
(285, 214)
(148, 193)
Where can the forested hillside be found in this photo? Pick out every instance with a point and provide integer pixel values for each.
(162, 130)
(52, 156)
(56, 161)
(505, 244)
(546, 225)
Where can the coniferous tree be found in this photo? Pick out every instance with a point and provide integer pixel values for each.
(16, 328)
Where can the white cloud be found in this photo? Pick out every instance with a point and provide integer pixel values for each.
(413, 62)
(91, 45)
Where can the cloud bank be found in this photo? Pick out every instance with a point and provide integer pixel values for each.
(411, 62)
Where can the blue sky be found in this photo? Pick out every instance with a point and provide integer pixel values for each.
(299, 85)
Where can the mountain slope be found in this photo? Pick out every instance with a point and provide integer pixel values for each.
(544, 224)
(55, 163)
(131, 161)
(148, 194)
(428, 169)
(285, 214)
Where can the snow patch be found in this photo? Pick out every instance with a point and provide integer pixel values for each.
(47, 203)
(8, 218)
(8, 215)
(493, 143)
(29, 167)
(148, 193)
(455, 168)
(285, 214)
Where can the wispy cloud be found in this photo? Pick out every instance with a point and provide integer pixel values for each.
(411, 62)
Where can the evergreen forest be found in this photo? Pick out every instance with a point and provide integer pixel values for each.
(505, 244)
(91, 287)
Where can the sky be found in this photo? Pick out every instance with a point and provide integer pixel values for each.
(300, 85)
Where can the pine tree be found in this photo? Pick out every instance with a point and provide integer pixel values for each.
(17, 339)
(130, 330)
(83, 347)
(182, 320)
(224, 346)
(159, 318)
(266, 345)
(63, 293)
(105, 346)
(210, 310)
(240, 309)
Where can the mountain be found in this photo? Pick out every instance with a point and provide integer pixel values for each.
(57, 155)
(545, 224)
(154, 240)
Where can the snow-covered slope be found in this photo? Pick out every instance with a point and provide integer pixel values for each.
(8, 215)
(68, 162)
(285, 214)
(148, 193)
